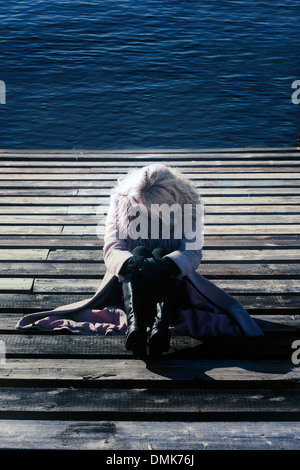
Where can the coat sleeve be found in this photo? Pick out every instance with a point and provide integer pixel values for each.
(187, 260)
(189, 254)
(115, 251)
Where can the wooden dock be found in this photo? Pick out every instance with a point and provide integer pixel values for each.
(75, 392)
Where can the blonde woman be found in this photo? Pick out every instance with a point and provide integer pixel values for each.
(154, 269)
(147, 257)
(152, 288)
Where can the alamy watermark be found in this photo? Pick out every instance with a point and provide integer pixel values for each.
(296, 354)
(2, 92)
(161, 222)
(296, 94)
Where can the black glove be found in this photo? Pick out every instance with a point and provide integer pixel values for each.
(131, 265)
(160, 268)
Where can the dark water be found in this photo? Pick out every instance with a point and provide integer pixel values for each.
(149, 74)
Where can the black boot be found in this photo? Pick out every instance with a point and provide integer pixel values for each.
(136, 335)
(160, 335)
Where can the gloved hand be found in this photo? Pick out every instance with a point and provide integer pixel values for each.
(131, 265)
(158, 269)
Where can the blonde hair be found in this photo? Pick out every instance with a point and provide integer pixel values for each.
(150, 185)
(156, 184)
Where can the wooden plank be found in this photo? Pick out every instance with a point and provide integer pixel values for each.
(59, 219)
(226, 270)
(203, 190)
(93, 270)
(99, 201)
(139, 153)
(23, 254)
(276, 164)
(96, 270)
(211, 241)
(258, 229)
(229, 219)
(76, 255)
(94, 405)
(288, 303)
(48, 241)
(273, 303)
(255, 174)
(263, 254)
(269, 286)
(275, 345)
(220, 191)
(81, 345)
(89, 286)
(209, 255)
(114, 169)
(36, 192)
(103, 372)
(251, 209)
(93, 210)
(149, 436)
(39, 302)
(31, 230)
(58, 154)
(34, 210)
(16, 284)
(108, 185)
(208, 158)
(59, 200)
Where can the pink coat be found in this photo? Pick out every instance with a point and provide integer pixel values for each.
(203, 309)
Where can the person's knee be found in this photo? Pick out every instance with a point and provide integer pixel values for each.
(159, 252)
(141, 250)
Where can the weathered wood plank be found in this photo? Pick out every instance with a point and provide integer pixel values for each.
(205, 190)
(96, 270)
(89, 230)
(39, 302)
(99, 201)
(114, 169)
(255, 173)
(31, 230)
(108, 185)
(149, 436)
(13, 192)
(90, 404)
(255, 229)
(23, 254)
(132, 153)
(16, 284)
(100, 372)
(211, 241)
(288, 303)
(263, 254)
(209, 255)
(269, 324)
(265, 160)
(93, 210)
(268, 286)
(89, 286)
(210, 219)
(276, 344)
(34, 210)
(76, 255)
